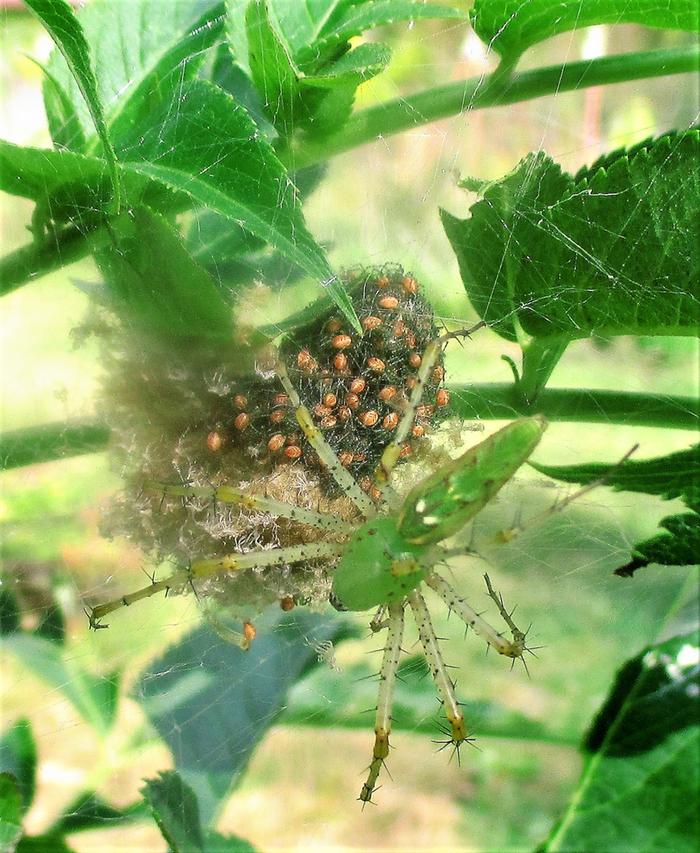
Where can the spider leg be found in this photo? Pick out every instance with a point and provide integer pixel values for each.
(512, 649)
(445, 687)
(379, 621)
(201, 569)
(225, 494)
(325, 452)
(387, 681)
(511, 533)
(392, 452)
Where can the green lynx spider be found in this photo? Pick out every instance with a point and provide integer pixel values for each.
(383, 562)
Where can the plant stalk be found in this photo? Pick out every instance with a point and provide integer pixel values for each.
(624, 408)
(487, 401)
(492, 90)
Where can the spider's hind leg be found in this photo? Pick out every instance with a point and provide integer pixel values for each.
(457, 728)
(387, 681)
(513, 649)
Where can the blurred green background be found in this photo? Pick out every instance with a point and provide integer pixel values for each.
(377, 204)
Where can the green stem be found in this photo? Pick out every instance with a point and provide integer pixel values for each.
(43, 256)
(490, 401)
(540, 357)
(51, 441)
(492, 91)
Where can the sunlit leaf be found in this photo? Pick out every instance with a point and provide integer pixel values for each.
(511, 26)
(63, 27)
(641, 780)
(612, 253)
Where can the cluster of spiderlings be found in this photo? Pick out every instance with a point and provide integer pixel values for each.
(213, 416)
(356, 386)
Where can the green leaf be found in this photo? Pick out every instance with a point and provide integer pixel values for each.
(612, 254)
(167, 67)
(335, 23)
(63, 27)
(641, 781)
(95, 699)
(43, 844)
(139, 47)
(676, 475)
(511, 26)
(64, 123)
(318, 31)
(175, 809)
(272, 68)
(10, 812)
(291, 97)
(217, 243)
(176, 812)
(211, 703)
(90, 811)
(157, 284)
(69, 186)
(353, 68)
(329, 93)
(18, 758)
(679, 546)
(216, 843)
(326, 699)
(210, 150)
(30, 445)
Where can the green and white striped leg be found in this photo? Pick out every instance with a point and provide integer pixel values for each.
(445, 688)
(227, 495)
(387, 681)
(510, 648)
(202, 569)
(392, 452)
(326, 454)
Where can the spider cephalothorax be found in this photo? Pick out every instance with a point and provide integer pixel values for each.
(284, 535)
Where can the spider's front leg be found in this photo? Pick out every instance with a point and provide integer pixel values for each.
(428, 366)
(325, 452)
(216, 566)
